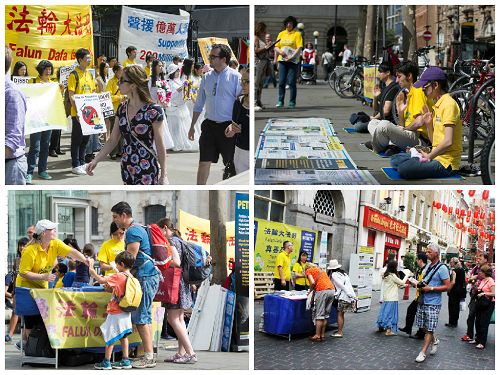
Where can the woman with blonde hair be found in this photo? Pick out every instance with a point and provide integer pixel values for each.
(139, 120)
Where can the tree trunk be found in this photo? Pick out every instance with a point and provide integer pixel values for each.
(409, 31)
(369, 32)
(360, 37)
(217, 235)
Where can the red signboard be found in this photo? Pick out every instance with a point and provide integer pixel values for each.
(376, 220)
(392, 241)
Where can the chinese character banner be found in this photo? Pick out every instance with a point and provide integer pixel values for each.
(269, 237)
(159, 34)
(53, 32)
(205, 45)
(73, 319)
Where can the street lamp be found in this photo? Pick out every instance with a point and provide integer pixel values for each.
(316, 34)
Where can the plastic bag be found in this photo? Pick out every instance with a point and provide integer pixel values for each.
(463, 305)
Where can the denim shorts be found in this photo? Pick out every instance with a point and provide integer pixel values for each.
(149, 285)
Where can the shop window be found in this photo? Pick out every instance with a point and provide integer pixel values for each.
(95, 223)
(269, 205)
(323, 203)
(153, 213)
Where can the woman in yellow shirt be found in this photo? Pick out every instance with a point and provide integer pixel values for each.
(299, 272)
(289, 48)
(39, 258)
(111, 248)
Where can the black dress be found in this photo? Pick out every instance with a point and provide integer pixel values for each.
(139, 161)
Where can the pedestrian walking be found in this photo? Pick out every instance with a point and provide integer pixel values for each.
(345, 294)
(436, 281)
(457, 292)
(263, 66)
(282, 272)
(328, 62)
(485, 305)
(346, 55)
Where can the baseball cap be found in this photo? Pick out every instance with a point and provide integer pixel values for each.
(432, 73)
(42, 225)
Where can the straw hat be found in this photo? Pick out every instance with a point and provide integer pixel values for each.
(333, 265)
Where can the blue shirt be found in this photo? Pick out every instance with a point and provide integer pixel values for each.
(217, 94)
(82, 274)
(15, 114)
(434, 298)
(68, 279)
(136, 233)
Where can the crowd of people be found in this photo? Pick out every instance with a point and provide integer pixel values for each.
(182, 107)
(332, 288)
(44, 261)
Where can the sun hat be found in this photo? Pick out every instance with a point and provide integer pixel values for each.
(333, 264)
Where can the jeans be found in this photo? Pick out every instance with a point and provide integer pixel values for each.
(39, 149)
(361, 127)
(149, 286)
(287, 76)
(15, 171)
(78, 143)
(94, 145)
(412, 168)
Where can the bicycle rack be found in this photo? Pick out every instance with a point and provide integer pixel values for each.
(472, 134)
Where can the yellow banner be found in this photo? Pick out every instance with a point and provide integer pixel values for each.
(369, 75)
(205, 45)
(47, 32)
(73, 319)
(197, 230)
(45, 107)
(269, 238)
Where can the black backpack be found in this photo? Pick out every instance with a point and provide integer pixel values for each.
(194, 270)
(38, 344)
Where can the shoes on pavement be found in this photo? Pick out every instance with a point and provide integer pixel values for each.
(144, 363)
(450, 325)
(473, 342)
(279, 105)
(187, 359)
(29, 179)
(390, 333)
(8, 338)
(79, 170)
(173, 358)
(405, 330)
(368, 145)
(104, 365)
(53, 153)
(434, 347)
(420, 358)
(465, 338)
(257, 108)
(291, 105)
(480, 346)
(337, 335)
(45, 176)
(60, 152)
(124, 364)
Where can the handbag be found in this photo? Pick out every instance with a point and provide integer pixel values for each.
(168, 290)
(229, 170)
(482, 302)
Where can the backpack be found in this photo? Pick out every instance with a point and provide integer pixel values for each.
(67, 101)
(133, 294)
(38, 344)
(161, 254)
(194, 258)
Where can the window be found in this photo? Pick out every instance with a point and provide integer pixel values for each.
(269, 205)
(323, 203)
(94, 220)
(413, 208)
(421, 214)
(154, 213)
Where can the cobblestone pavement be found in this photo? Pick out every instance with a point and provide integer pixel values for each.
(362, 348)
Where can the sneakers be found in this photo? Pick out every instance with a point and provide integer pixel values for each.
(420, 358)
(257, 108)
(368, 145)
(104, 365)
(434, 347)
(143, 362)
(79, 170)
(45, 176)
(29, 179)
(291, 105)
(187, 359)
(173, 358)
(123, 364)
(18, 345)
(53, 154)
(279, 105)
(8, 338)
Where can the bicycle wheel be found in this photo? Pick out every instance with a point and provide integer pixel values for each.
(357, 86)
(343, 85)
(488, 160)
(459, 83)
(331, 80)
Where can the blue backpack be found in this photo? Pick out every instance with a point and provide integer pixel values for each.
(194, 263)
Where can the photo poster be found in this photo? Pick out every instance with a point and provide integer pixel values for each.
(90, 113)
(48, 32)
(205, 46)
(369, 75)
(269, 237)
(159, 34)
(106, 104)
(64, 72)
(45, 108)
(197, 230)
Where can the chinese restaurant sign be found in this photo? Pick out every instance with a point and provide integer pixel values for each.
(376, 220)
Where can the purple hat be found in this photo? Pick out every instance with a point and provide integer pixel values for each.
(432, 73)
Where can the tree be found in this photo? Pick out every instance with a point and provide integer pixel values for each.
(216, 213)
(409, 31)
(360, 37)
(369, 32)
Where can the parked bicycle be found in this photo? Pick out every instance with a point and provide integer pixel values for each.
(350, 84)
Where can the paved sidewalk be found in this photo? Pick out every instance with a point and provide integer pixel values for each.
(321, 101)
(362, 348)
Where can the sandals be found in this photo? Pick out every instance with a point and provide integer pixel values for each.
(480, 346)
(390, 333)
(473, 342)
(337, 335)
(315, 339)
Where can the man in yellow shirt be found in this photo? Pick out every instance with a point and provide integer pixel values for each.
(392, 138)
(111, 248)
(282, 272)
(444, 127)
(84, 84)
(131, 52)
(149, 62)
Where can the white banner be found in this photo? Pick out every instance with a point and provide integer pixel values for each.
(152, 33)
(90, 113)
(106, 104)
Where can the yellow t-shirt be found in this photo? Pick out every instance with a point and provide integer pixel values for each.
(128, 62)
(35, 259)
(283, 260)
(416, 100)
(447, 112)
(114, 90)
(147, 69)
(39, 80)
(299, 268)
(86, 85)
(289, 41)
(108, 252)
(59, 283)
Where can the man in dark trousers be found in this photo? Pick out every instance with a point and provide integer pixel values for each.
(456, 293)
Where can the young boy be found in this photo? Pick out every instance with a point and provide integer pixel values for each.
(61, 270)
(82, 276)
(118, 324)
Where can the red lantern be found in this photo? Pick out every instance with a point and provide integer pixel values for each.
(492, 238)
(482, 234)
(438, 205)
(433, 204)
(476, 214)
(493, 227)
(459, 191)
(492, 216)
(445, 208)
(482, 216)
(457, 211)
(463, 213)
(467, 219)
(471, 193)
(486, 194)
(450, 210)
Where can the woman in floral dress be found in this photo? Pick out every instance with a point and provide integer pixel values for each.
(140, 122)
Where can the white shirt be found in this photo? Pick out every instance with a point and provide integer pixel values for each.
(346, 56)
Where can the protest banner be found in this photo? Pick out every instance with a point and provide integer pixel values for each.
(73, 319)
(269, 237)
(205, 45)
(197, 230)
(90, 114)
(18, 80)
(369, 75)
(64, 72)
(45, 107)
(48, 32)
(159, 34)
(106, 104)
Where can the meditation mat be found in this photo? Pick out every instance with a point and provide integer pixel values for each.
(383, 155)
(350, 130)
(392, 174)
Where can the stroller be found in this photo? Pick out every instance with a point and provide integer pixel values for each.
(308, 73)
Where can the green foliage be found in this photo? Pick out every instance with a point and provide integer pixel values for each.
(410, 261)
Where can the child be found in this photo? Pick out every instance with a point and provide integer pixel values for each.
(118, 324)
(388, 315)
(82, 276)
(60, 270)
